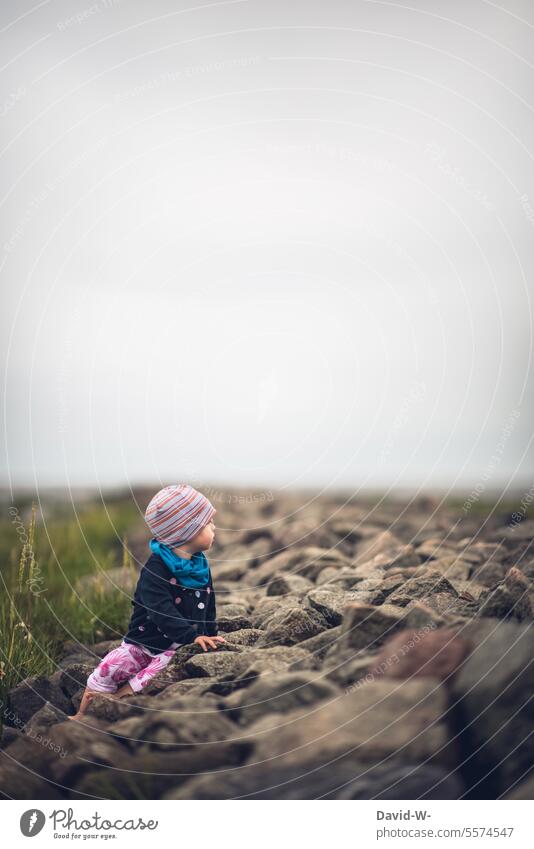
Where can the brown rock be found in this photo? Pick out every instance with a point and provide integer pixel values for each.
(382, 542)
(283, 584)
(291, 625)
(278, 693)
(422, 586)
(414, 653)
(379, 720)
(510, 599)
(364, 625)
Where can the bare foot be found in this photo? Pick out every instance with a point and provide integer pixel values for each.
(87, 698)
(123, 691)
(89, 695)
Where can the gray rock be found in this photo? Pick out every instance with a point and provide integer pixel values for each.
(308, 561)
(339, 781)
(511, 599)
(364, 626)
(233, 617)
(319, 645)
(31, 695)
(383, 542)
(329, 602)
(45, 717)
(425, 584)
(278, 693)
(291, 625)
(243, 637)
(494, 706)
(348, 671)
(174, 721)
(452, 568)
(282, 584)
(379, 720)
(268, 607)
(489, 573)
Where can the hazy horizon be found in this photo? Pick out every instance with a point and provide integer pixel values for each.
(267, 244)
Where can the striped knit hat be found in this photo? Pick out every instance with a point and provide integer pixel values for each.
(177, 513)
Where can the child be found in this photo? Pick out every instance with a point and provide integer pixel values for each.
(174, 601)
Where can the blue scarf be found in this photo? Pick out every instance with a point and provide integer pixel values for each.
(190, 573)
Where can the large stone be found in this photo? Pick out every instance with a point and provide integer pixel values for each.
(435, 549)
(282, 584)
(174, 721)
(348, 671)
(512, 533)
(291, 625)
(25, 768)
(489, 573)
(308, 561)
(216, 664)
(268, 607)
(383, 542)
(344, 578)
(398, 557)
(419, 615)
(425, 584)
(45, 717)
(451, 606)
(364, 626)
(494, 707)
(428, 653)
(329, 602)
(319, 645)
(344, 780)
(511, 599)
(452, 568)
(31, 695)
(381, 720)
(233, 617)
(243, 637)
(250, 662)
(150, 773)
(267, 661)
(278, 693)
(73, 676)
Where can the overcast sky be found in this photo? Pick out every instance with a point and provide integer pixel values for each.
(267, 243)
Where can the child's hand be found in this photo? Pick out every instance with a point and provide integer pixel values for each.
(208, 641)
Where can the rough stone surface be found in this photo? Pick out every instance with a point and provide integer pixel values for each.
(495, 709)
(373, 650)
(365, 626)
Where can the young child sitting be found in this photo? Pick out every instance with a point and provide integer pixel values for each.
(174, 601)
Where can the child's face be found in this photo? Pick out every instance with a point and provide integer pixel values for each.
(204, 539)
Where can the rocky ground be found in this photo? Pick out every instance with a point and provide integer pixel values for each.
(372, 652)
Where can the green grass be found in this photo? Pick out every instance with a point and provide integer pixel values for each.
(39, 605)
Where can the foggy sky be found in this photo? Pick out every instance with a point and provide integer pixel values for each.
(267, 243)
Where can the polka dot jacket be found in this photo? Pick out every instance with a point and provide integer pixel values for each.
(166, 613)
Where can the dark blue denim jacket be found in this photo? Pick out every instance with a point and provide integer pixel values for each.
(164, 612)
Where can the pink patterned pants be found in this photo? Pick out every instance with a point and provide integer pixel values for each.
(129, 663)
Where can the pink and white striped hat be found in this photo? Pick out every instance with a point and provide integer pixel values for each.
(177, 513)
